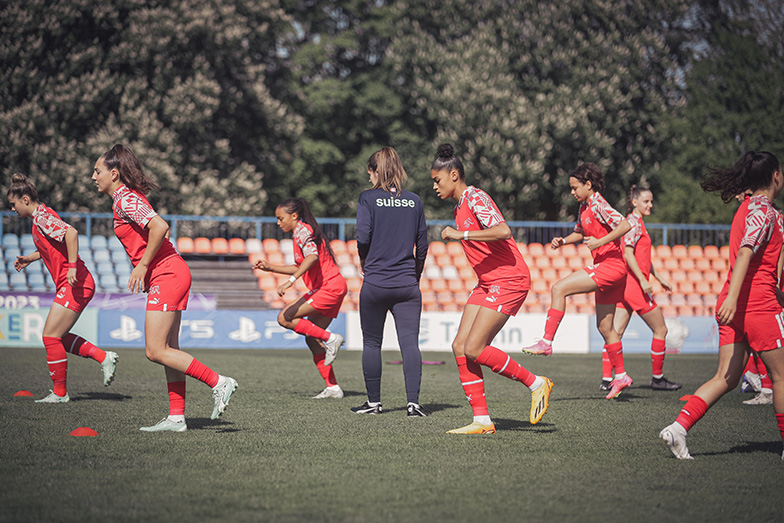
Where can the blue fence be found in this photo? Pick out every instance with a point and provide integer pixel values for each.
(345, 228)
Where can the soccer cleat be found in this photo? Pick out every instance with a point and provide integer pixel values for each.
(664, 384)
(751, 382)
(415, 410)
(166, 425)
(365, 408)
(540, 400)
(329, 393)
(331, 349)
(606, 385)
(763, 398)
(675, 439)
(54, 398)
(617, 387)
(109, 366)
(540, 348)
(221, 395)
(474, 428)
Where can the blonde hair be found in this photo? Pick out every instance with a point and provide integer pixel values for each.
(387, 165)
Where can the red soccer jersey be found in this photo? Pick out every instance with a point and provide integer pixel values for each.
(132, 213)
(597, 219)
(325, 269)
(49, 238)
(493, 262)
(757, 224)
(638, 239)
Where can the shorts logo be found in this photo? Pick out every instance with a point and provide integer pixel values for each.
(61, 292)
(155, 289)
(495, 289)
(491, 299)
(153, 301)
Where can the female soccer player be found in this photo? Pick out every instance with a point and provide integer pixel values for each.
(57, 245)
(164, 275)
(638, 292)
(312, 313)
(599, 226)
(392, 244)
(748, 312)
(503, 285)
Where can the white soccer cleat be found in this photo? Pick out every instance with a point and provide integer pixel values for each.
(166, 425)
(109, 366)
(54, 398)
(329, 393)
(331, 348)
(221, 396)
(674, 436)
(763, 398)
(754, 381)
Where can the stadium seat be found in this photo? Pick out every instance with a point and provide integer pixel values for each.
(566, 251)
(220, 246)
(535, 250)
(10, 240)
(118, 257)
(286, 245)
(695, 251)
(105, 268)
(543, 262)
(575, 263)
(671, 264)
(460, 261)
(18, 281)
(98, 242)
(108, 282)
(438, 285)
(523, 248)
(454, 248)
(687, 264)
(720, 265)
(255, 256)
(703, 288)
(270, 245)
(4, 285)
(349, 271)
(276, 258)
(437, 248)
(185, 245)
(26, 242)
(424, 284)
(679, 251)
(10, 255)
(37, 282)
(115, 244)
(663, 252)
(450, 273)
(253, 245)
(703, 264)
(724, 252)
(338, 246)
(100, 256)
(432, 271)
(559, 262)
(202, 245)
(236, 246)
(549, 275)
(711, 251)
(443, 260)
(351, 245)
(456, 285)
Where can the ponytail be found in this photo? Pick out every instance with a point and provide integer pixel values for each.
(754, 170)
(130, 168)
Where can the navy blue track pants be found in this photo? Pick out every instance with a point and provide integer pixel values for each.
(405, 303)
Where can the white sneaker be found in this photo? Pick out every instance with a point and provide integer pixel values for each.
(221, 396)
(674, 436)
(329, 393)
(54, 398)
(331, 348)
(166, 425)
(754, 380)
(109, 366)
(763, 398)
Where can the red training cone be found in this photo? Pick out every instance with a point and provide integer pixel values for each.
(84, 431)
(25, 393)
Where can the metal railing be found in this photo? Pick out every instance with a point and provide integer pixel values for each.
(262, 227)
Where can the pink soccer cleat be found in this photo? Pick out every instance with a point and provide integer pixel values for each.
(540, 348)
(617, 387)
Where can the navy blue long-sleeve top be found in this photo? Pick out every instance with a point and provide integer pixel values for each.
(389, 226)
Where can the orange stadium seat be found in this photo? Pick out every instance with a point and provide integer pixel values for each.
(724, 252)
(438, 284)
(202, 245)
(460, 261)
(351, 245)
(354, 284)
(564, 272)
(694, 275)
(237, 246)
(276, 258)
(663, 252)
(671, 264)
(567, 251)
(695, 251)
(685, 287)
(720, 265)
(540, 287)
(456, 285)
(443, 260)
(270, 245)
(702, 264)
(268, 282)
(454, 248)
(542, 262)
(549, 275)
(712, 275)
(523, 248)
(220, 246)
(558, 262)
(687, 264)
(679, 251)
(703, 288)
(575, 263)
(536, 249)
(185, 245)
(254, 257)
(437, 248)
(711, 251)
(338, 246)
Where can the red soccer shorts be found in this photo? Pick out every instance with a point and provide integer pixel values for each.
(610, 276)
(76, 297)
(506, 300)
(762, 330)
(328, 299)
(634, 299)
(169, 285)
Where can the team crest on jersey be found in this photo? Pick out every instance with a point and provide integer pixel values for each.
(467, 223)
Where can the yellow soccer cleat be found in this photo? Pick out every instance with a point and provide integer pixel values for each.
(474, 428)
(540, 400)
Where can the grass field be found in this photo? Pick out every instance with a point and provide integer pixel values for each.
(277, 455)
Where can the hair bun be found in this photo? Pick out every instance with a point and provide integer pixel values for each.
(18, 178)
(445, 150)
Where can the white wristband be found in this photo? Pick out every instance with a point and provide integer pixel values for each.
(292, 279)
(465, 235)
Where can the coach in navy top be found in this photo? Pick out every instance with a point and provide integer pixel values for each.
(390, 227)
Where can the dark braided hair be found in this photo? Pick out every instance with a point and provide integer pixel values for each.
(447, 160)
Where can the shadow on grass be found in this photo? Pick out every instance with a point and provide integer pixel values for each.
(624, 397)
(218, 425)
(430, 408)
(106, 396)
(774, 447)
(523, 426)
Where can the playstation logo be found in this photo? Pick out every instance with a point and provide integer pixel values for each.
(247, 331)
(127, 330)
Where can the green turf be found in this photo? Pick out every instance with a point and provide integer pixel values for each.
(277, 455)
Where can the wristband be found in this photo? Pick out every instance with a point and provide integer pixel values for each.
(292, 278)
(465, 235)
(71, 265)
